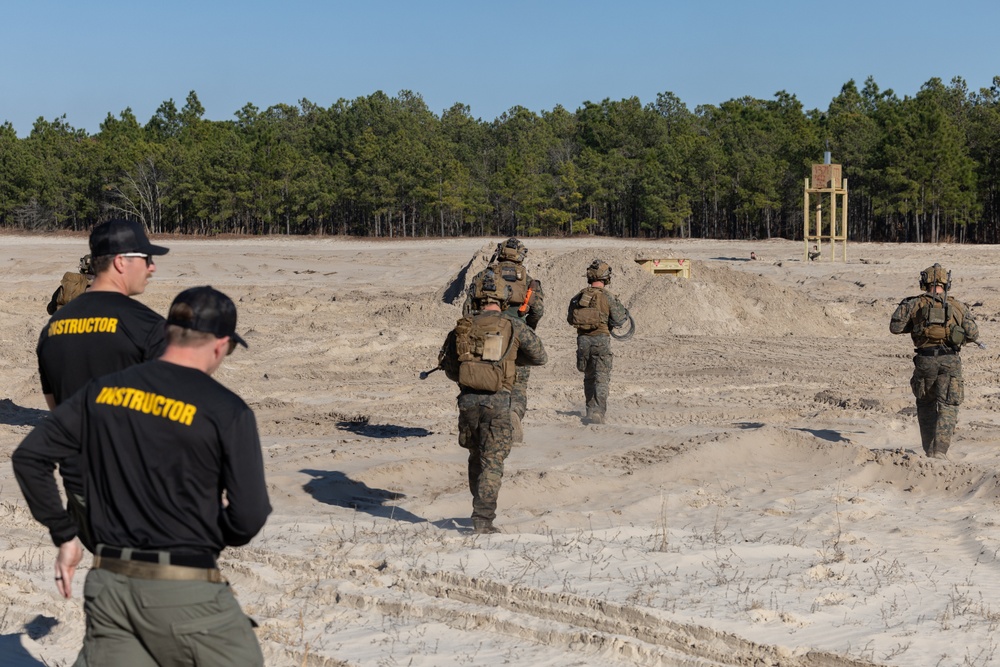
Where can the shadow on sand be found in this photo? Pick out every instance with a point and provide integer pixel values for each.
(335, 488)
(12, 651)
(363, 428)
(825, 434)
(13, 414)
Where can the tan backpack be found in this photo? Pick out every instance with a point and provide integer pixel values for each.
(588, 310)
(937, 323)
(514, 275)
(483, 344)
(72, 285)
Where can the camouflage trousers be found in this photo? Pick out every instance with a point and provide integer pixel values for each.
(519, 394)
(484, 428)
(594, 358)
(939, 388)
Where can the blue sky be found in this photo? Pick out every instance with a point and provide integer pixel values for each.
(85, 60)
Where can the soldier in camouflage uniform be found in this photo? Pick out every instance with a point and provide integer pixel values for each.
(527, 303)
(594, 312)
(939, 325)
(481, 355)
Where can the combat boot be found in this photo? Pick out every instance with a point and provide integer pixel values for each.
(484, 527)
(515, 423)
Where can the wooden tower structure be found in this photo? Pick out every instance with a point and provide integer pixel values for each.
(826, 179)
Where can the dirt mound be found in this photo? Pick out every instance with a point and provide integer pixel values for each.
(454, 290)
(716, 300)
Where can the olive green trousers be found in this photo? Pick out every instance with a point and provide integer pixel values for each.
(152, 623)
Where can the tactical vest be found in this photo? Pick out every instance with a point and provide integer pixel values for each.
(514, 274)
(483, 343)
(937, 323)
(589, 311)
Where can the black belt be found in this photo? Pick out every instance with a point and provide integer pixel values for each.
(206, 561)
(938, 351)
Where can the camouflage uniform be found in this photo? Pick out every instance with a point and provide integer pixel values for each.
(484, 420)
(937, 381)
(593, 351)
(531, 315)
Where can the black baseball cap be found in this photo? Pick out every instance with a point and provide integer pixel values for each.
(118, 236)
(208, 310)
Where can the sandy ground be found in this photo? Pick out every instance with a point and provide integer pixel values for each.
(757, 497)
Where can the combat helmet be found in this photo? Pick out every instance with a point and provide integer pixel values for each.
(86, 267)
(935, 275)
(511, 250)
(599, 270)
(487, 288)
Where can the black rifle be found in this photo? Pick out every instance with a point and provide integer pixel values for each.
(424, 374)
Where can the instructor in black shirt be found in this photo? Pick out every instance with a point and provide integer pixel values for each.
(101, 331)
(161, 442)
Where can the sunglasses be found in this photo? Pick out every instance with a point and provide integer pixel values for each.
(149, 258)
(232, 346)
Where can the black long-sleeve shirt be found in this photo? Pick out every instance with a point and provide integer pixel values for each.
(161, 443)
(95, 334)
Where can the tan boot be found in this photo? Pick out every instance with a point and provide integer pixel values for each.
(484, 527)
(515, 423)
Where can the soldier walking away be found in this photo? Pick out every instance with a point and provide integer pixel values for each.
(72, 285)
(594, 312)
(481, 354)
(159, 442)
(102, 330)
(939, 326)
(527, 302)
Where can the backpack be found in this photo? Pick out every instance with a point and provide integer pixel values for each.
(515, 276)
(73, 285)
(483, 344)
(586, 312)
(937, 323)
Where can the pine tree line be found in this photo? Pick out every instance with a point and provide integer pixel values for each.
(922, 168)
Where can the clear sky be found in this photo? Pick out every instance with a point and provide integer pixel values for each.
(88, 59)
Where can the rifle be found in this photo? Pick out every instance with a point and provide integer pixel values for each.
(424, 374)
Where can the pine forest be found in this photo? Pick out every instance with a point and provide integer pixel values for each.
(919, 169)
